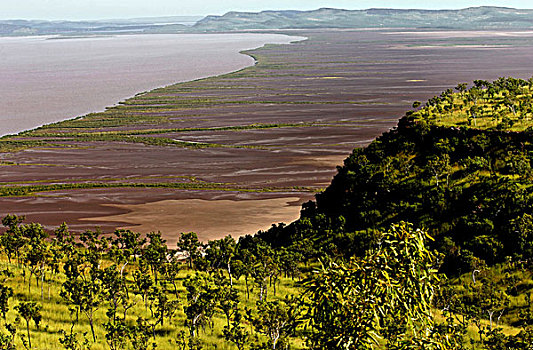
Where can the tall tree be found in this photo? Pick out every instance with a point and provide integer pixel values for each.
(189, 244)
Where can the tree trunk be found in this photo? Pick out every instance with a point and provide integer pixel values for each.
(42, 283)
(28, 330)
(92, 329)
(490, 319)
(247, 288)
(230, 276)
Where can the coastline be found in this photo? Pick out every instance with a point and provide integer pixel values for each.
(75, 105)
(276, 129)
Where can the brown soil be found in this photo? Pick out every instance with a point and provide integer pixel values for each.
(356, 84)
(210, 219)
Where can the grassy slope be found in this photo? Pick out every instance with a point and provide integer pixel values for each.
(56, 316)
(460, 166)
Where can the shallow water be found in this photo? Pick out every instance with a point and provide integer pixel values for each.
(44, 80)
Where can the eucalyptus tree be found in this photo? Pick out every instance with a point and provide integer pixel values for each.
(142, 283)
(170, 271)
(245, 265)
(29, 310)
(12, 239)
(83, 287)
(264, 269)
(95, 246)
(236, 333)
(70, 341)
(154, 253)
(37, 252)
(277, 320)
(352, 303)
(114, 290)
(220, 254)
(228, 297)
(62, 244)
(289, 258)
(117, 334)
(7, 341)
(189, 244)
(161, 307)
(6, 293)
(125, 248)
(202, 297)
(140, 335)
(461, 87)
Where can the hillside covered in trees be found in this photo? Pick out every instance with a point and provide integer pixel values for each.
(459, 166)
(351, 273)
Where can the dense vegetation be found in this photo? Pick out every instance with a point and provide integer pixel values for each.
(122, 291)
(349, 274)
(469, 185)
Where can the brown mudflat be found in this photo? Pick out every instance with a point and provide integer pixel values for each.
(209, 217)
(273, 132)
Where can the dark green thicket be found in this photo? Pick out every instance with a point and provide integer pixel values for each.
(470, 187)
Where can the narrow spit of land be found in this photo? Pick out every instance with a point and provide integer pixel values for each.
(273, 131)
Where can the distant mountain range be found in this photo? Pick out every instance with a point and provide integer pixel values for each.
(485, 17)
(470, 18)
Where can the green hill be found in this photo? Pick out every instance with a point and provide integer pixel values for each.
(472, 18)
(459, 166)
(351, 274)
(485, 17)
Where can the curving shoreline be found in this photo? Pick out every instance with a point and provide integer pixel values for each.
(274, 130)
(45, 81)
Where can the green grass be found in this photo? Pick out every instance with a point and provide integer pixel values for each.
(56, 316)
(509, 110)
(32, 189)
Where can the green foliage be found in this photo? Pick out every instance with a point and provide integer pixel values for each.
(385, 296)
(469, 186)
(277, 320)
(29, 310)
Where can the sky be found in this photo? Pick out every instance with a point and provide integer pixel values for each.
(106, 9)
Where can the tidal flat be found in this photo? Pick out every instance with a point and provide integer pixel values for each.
(272, 131)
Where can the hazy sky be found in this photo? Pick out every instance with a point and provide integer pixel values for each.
(95, 9)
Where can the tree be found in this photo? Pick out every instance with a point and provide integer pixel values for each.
(170, 271)
(189, 244)
(117, 334)
(5, 293)
(462, 87)
(275, 319)
(140, 335)
(350, 304)
(83, 286)
(220, 254)
(202, 296)
(228, 298)
(29, 311)
(71, 342)
(12, 240)
(7, 341)
(37, 252)
(236, 333)
(155, 253)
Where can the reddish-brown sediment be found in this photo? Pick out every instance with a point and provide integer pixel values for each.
(353, 85)
(211, 218)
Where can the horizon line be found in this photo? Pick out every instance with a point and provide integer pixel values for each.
(261, 11)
